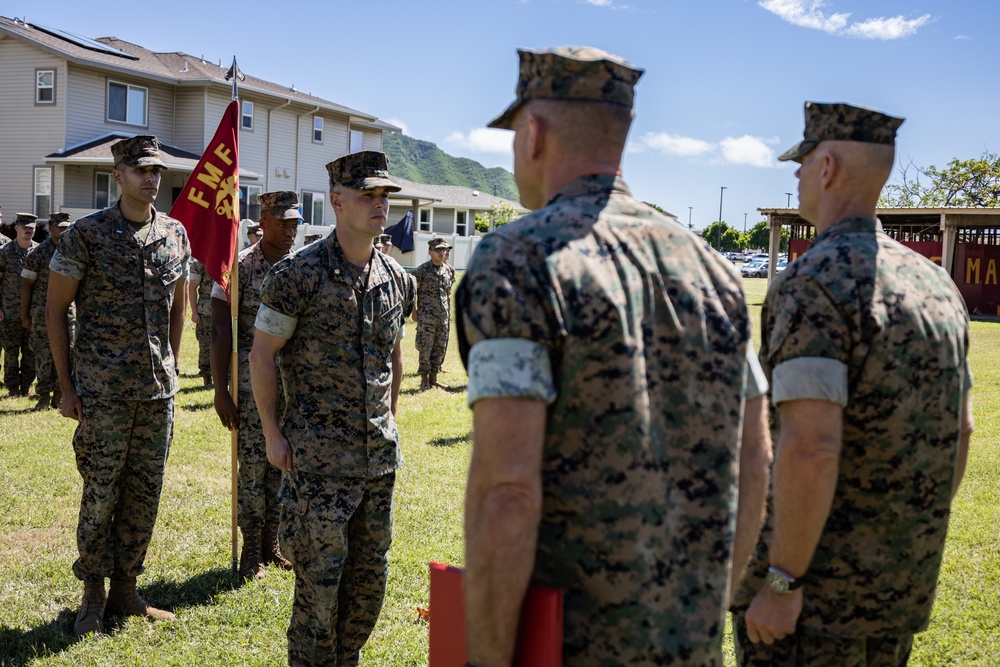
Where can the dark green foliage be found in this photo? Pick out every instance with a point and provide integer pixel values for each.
(423, 162)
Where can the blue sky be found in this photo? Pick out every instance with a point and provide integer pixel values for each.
(721, 97)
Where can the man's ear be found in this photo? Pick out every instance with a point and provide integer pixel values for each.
(537, 128)
(829, 167)
(116, 175)
(335, 202)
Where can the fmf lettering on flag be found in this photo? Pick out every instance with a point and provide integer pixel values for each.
(209, 203)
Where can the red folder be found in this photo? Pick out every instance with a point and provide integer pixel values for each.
(539, 635)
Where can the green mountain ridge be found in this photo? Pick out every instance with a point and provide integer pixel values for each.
(423, 162)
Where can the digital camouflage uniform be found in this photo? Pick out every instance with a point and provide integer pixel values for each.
(203, 329)
(866, 323)
(336, 504)
(257, 480)
(19, 360)
(434, 311)
(36, 267)
(125, 375)
(635, 333)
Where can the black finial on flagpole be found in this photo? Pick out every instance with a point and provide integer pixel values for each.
(235, 74)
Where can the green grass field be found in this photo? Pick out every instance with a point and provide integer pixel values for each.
(220, 623)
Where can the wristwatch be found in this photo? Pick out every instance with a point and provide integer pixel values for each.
(781, 582)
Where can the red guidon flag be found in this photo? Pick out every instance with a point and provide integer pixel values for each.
(209, 203)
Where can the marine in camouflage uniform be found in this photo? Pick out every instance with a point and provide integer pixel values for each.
(865, 344)
(19, 360)
(200, 286)
(332, 313)
(623, 339)
(34, 289)
(433, 312)
(257, 481)
(127, 276)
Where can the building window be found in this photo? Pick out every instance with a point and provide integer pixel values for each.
(105, 190)
(312, 208)
(357, 141)
(461, 219)
(317, 129)
(127, 103)
(248, 115)
(425, 220)
(45, 86)
(249, 202)
(43, 191)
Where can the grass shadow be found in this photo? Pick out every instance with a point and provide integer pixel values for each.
(195, 407)
(22, 647)
(193, 390)
(450, 442)
(22, 411)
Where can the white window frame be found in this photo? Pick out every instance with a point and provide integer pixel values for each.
(129, 88)
(424, 225)
(317, 120)
(39, 190)
(244, 116)
(248, 201)
(313, 202)
(39, 87)
(465, 232)
(357, 141)
(111, 191)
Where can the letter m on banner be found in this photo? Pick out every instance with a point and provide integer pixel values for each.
(208, 206)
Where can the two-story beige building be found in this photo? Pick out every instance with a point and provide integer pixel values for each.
(64, 99)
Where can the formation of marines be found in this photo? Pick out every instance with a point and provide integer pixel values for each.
(621, 451)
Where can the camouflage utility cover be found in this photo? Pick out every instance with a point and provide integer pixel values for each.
(336, 368)
(123, 303)
(365, 170)
(843, 122)
(434, 292)
(283, 205)
(646, 331)
(142, 150)
(898, 326)
(571, 73)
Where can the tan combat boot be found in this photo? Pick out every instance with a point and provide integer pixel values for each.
(271, 549)
(434, 382)
(91, 614)
(124, 600)
(251, 566)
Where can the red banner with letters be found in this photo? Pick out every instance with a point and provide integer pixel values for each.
(208, 206)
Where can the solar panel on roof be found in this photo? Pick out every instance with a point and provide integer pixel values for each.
(85, 42)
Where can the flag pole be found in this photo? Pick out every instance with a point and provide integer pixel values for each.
(234, 300)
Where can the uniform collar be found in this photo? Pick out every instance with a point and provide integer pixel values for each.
(851, 225)
(592, 184)
(378, 271)
(121, 229)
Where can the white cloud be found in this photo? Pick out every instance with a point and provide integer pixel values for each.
(810, 14)
(748, 151)
(962, 37)
(597, 3)
(672, 144)
(398, 123)
(482, 140)
(882, 28)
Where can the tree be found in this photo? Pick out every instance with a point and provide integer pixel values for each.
(500, 214)
(759, 237)
(974, 182)
(730, 237)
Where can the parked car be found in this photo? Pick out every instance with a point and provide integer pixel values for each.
(754, 270)
(780, 266)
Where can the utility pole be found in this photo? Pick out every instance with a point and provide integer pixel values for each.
(744, 223)
(690, 226)
(788, 204)
(718, 230)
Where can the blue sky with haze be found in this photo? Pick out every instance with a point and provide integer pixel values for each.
(721, 97)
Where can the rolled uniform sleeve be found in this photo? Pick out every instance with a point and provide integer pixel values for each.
(29, 274)
(807, 345)
(508, 324)
(282, 301)
(756, 385)
(218, 292)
